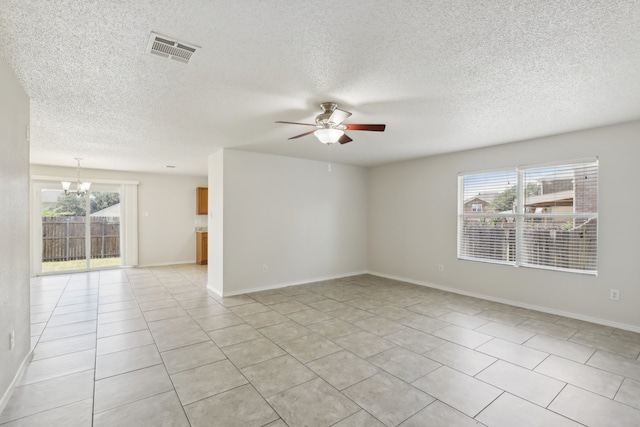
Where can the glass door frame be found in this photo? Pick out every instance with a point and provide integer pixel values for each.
(100, 188)
(40, 183)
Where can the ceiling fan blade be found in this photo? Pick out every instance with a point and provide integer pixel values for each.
(295, 123)
(374, 128)
(303, 134)
(339, 116)
(344, 139)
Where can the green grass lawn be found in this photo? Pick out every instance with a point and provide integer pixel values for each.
(79, 264)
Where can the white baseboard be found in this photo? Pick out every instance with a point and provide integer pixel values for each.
(282, 285)
(212, 290)
(9, 391)
(568, 314)
(571, 315)
(164, 264)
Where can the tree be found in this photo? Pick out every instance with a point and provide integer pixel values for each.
(101, 201)
(504, 201)
(533, 189)
(57, 211)
(72, 205)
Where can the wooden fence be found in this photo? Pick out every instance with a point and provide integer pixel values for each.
(543, 244)
(573, 249)
(491, 242)
(63, 238)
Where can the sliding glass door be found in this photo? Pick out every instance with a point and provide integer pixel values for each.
(78, 232)
(63, 230)
(104, 227)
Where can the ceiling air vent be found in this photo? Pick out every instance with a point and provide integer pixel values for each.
(167, 48)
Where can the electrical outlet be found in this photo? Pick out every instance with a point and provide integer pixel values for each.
(12, 340)
(265, 268)
(614, 294)
(441, 268)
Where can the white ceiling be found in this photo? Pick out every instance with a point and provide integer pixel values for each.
(443, 75)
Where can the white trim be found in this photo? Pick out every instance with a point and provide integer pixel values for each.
(35, 229)
(9, 391)
(493, 215)
(129, 225)
(164, 264)
(579, 161)
(520, 200)
(462, 174)
(85, 178)
(211, 290)
(568, 314)
(281, 285)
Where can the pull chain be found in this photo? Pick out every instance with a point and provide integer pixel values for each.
(329, 157)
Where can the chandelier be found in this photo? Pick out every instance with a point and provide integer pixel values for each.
(81, 187)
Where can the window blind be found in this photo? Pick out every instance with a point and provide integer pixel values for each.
(541, 216)
(488, 233)
(560, 217)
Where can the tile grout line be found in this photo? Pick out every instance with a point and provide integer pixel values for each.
(397, 303)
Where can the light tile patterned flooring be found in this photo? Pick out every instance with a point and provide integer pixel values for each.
(149, 347)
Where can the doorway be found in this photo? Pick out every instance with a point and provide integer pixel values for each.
(78, 232)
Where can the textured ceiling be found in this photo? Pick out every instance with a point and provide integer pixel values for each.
(443, 75)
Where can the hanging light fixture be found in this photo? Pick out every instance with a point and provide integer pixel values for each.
(328, 135)
(81, 187)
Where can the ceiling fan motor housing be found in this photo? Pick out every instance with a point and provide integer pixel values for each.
(327, 110)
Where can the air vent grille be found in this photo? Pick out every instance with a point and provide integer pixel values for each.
(172, 49)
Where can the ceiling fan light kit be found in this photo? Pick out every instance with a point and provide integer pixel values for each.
(328, 135)
(330, 128)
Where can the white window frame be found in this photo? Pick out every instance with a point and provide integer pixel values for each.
(520, 216)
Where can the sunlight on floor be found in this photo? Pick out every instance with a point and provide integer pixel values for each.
(79, 264)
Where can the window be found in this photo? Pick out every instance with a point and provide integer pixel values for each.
(542, 216)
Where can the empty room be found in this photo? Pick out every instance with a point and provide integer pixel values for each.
(385, 213)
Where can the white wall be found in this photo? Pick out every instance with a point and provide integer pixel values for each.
(294, 216)
(14, 229)
(215, 254)
(167, 234)
(412, 226)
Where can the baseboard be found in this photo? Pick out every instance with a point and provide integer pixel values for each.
(212, 290)
(571, 315)
(9, 391)
(548, 310)
(282, 285)
(164, 264)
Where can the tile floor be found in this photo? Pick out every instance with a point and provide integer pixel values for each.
(149, 347)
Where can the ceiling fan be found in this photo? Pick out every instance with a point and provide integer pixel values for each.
(330, 128)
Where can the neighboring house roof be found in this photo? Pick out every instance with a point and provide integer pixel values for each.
(485, 197)
(112, 211)
(550, 199)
